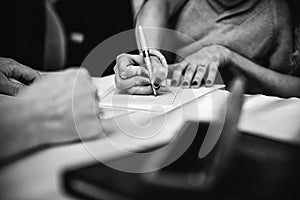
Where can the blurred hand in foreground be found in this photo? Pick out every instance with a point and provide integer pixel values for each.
(24, 76)
(59, 108)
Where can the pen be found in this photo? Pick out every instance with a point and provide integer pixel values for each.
(145, 53)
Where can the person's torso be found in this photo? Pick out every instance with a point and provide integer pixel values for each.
(250, 28)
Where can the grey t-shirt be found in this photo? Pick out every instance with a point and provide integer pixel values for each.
(260, 30)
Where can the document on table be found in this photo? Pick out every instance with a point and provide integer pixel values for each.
(167, 99)
(165, 96)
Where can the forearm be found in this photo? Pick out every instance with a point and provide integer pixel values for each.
(154, 15)
(136, 7)
(269, 82)
(146, 19)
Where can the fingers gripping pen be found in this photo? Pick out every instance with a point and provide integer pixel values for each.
(145, 53)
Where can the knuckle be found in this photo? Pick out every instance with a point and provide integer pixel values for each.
(83, 71)
(201, 69)
(194, 62)
(121, 57)
(127, 74)
(124, 74)
(191, 69)
(177, 72)
(213, 57)
(10, 60)
(139, 71)
(183, 64)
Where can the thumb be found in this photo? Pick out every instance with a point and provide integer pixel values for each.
(12, 87)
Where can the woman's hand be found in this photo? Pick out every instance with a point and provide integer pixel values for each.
(10, 69)
(191, 71)
(132, 76)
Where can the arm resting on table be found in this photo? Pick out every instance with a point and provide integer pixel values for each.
(269, 81)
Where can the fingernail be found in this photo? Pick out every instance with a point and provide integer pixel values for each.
(208, 83)
(174, 83)
(185, 83)
(156, 86)
(194, 83)
(157, 82)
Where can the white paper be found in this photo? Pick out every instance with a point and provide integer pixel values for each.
(161, 103)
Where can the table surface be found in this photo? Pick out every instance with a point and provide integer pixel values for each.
(37, 176)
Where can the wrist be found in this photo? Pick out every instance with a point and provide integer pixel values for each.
(235, 60)
(238, 64)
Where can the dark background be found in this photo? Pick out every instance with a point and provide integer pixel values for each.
(23, 27)
(22, 34)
